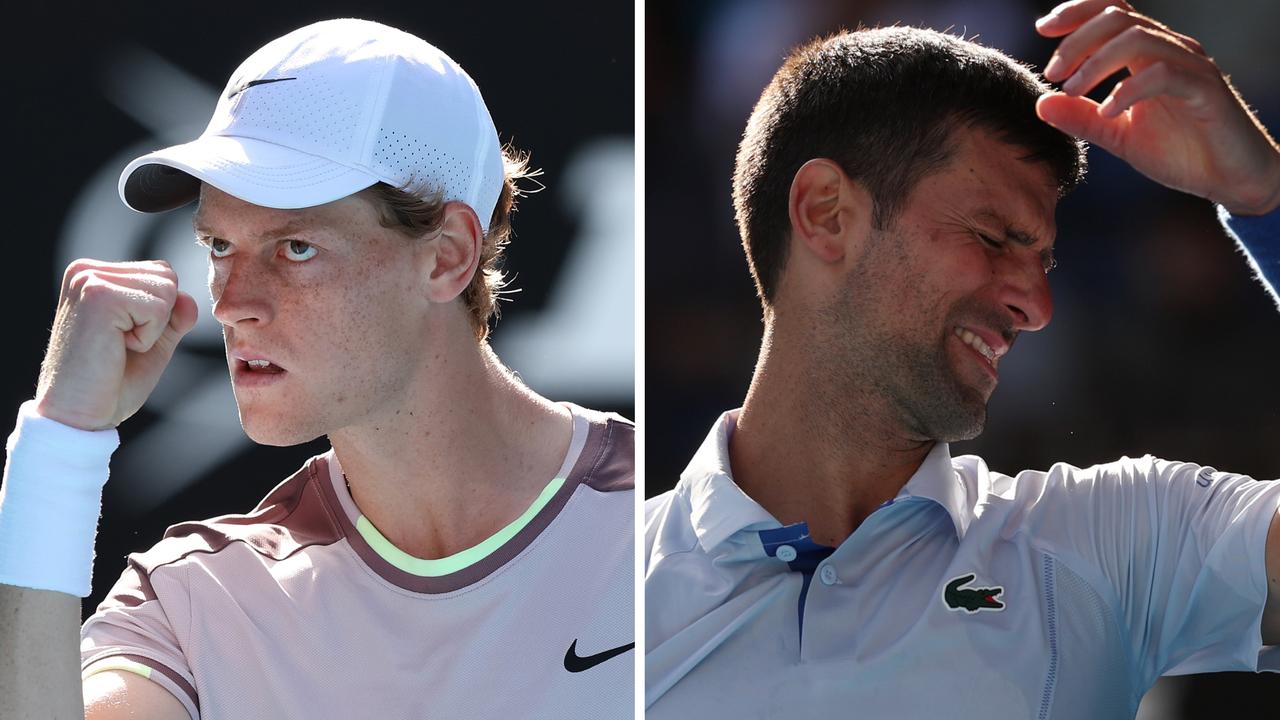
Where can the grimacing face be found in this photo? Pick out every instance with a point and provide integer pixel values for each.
(938, 299)
(330, 298)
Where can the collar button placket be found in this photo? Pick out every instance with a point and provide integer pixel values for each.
(827, 573)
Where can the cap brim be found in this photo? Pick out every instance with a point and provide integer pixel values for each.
(252, 170)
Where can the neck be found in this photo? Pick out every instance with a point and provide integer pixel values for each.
(459, 456)
(827, 459)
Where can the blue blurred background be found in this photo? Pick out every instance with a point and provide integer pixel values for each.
(91, 86)
(1161, 342)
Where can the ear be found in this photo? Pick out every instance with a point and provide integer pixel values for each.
(456, 253)
(824, 205)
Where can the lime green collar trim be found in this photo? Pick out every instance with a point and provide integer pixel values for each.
(117, 663)
(462, 560)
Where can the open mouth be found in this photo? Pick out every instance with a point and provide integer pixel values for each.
(259, 367)
(258, 372)
(987, 345)
(977, 343)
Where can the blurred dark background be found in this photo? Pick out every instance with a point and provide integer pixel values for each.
(89, 87)
(1160, 343)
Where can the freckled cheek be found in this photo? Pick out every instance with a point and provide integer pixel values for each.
(357, 321)
(216, 280)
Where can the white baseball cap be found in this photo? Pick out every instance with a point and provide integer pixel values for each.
(329, 110)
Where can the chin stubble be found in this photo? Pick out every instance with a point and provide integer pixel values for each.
(860, 354)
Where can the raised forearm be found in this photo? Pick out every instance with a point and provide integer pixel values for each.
(39, 658)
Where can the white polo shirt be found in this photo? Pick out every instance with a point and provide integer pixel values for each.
(972, 594)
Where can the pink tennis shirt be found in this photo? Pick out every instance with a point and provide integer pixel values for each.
(302, 609)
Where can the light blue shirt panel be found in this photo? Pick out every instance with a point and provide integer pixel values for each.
(1162, 565)
(1177, 549)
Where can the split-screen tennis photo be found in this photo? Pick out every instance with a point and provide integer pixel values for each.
(723, 359)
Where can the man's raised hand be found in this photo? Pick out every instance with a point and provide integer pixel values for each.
(1176, 118)
(116, 329)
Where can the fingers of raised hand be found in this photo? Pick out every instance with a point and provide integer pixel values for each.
(1071, 17)
(1136, 48)
(112, 301)
(158, 268)
(182, 318)
(136, 301)
(1104, 36)
(1079, 116)
(1157, 79)
(1088, 38)
(1068, 16)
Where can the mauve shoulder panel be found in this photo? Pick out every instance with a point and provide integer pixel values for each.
(292, 516)
(614, 467)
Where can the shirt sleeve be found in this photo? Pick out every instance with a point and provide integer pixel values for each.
(133, 630)
(1258, 237)
(1179, 549)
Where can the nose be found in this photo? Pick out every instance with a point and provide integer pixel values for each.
(1025, 292)
(241, 293)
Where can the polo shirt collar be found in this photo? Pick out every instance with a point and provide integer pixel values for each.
(719, 509)
(936, 479)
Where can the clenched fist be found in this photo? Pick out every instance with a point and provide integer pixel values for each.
(115, 331)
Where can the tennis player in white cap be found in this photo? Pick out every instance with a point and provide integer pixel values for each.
(464, 550)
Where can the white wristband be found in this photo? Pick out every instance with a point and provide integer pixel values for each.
(50, 502)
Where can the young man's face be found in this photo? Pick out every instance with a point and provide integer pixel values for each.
(331, 298)
(941, 294)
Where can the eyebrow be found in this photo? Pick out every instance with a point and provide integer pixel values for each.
(291, 227)
(1011, 231)
(1019, 236)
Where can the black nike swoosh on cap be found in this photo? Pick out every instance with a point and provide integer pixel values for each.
(254, 83)
(575, 663)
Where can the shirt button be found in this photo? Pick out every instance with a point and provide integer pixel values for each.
(828, 575)
(786, 553)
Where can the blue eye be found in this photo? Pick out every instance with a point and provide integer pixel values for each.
(219, 248)
(299, 251)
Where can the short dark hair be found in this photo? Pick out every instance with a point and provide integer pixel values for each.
(883, 104)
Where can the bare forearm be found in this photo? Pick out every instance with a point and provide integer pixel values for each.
(115, 330)
(39, 657)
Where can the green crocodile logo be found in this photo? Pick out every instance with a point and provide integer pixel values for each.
(971, 599)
